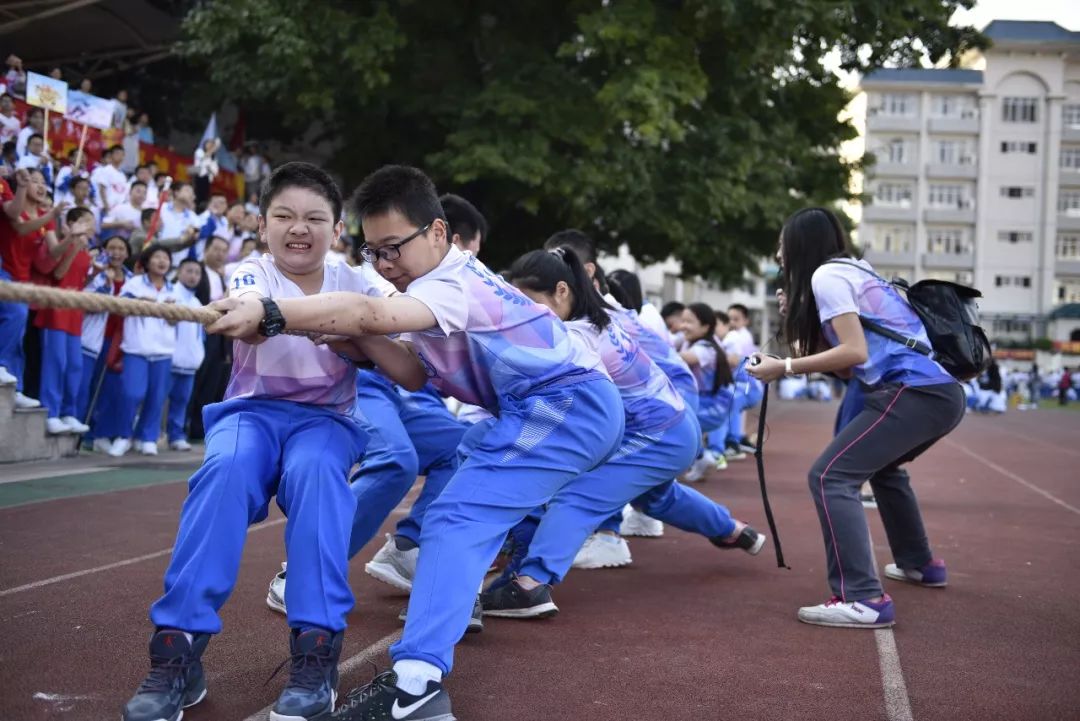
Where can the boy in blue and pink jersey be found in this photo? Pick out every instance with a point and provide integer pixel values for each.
(285, 429)
(480, 340)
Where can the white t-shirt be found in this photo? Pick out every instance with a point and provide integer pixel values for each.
(123, 212)
(148, 337)
(740, 342)
(652, 320)
(9, 128)
(114, 181)
(288, 367)
(22, 139)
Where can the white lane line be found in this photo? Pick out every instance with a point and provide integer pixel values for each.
(111, 566)
(897, 704)
(894, 689)
(347, 666)
(1009, 474)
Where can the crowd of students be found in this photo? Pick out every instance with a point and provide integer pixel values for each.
(584, 414)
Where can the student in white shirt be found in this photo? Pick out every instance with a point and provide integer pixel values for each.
(188, 356)
(148, 345)
(126, 217)
(179, 221)
(9, 122)
(35, 125)
(109, 181)
(143, 175)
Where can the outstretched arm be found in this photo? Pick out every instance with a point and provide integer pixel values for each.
(337, 313)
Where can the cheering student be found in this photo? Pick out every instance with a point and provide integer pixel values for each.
(910, 403)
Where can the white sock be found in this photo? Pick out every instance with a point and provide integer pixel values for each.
(413, 675)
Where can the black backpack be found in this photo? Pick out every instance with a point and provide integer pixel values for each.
(950, 315)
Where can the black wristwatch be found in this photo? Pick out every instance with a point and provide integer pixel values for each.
(273, 322)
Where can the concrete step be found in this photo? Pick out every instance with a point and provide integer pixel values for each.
(23, 436)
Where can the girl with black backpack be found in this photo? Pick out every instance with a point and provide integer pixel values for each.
(910, 402)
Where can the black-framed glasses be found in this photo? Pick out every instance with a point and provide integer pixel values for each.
(392, 251)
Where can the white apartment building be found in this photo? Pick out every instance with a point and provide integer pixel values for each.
(977, 175)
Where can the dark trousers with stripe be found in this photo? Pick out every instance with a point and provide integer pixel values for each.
(896, 425)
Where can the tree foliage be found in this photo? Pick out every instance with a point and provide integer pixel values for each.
(680, 127)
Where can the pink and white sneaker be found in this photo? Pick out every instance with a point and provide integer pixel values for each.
(850, 614)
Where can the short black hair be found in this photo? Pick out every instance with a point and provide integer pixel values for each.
(218, 194)
(113, 148)
(402, 188)
(671, 308)
(142, 166)
(73, 215)
(722, 317)
(301, 175)
(631, 287)
(463, 217)
(79, 179)
(9, 147)
(741, 308)
(177, 186)
(39, 136)
(582, 244)
(147, 214)
(185, 261)
(137, 182)
(35, 111)
(122, 239)
(212, 238)
(159, 176)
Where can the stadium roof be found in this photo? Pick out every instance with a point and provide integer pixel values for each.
(92, 38)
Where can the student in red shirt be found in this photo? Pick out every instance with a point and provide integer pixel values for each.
(65, 265)
(20, 234)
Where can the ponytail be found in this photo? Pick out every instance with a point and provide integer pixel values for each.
(707, 317)
(540, 271)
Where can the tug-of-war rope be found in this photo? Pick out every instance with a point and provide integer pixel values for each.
(44, 297)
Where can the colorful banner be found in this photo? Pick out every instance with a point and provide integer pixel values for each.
(44, 92)
(89, 109)
(64, 136)
(1067, 347)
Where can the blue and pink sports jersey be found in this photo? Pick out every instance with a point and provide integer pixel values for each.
(292, 368)
(847, 287)
(657, 348)
(651, 402)
(490, 341)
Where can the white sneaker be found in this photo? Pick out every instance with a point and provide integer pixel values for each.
(75, 424)
(103, 445)
(119, 447)
(700, 467)
(6, 379)
(275, 597)
(636, 523)
(394, 566)
(147, 448)
(55, 426)
(603, 550)
(26, 402)
(180, 445)
(855, 614)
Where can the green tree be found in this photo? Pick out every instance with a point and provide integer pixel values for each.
(680, 127)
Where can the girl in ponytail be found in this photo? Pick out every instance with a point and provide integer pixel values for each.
(715, 384)
(660, 439)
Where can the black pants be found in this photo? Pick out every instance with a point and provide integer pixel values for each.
(896, 425)
(210, 381)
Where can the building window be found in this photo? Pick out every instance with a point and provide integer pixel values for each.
(1011, 325)
(892, 238)
(963, 277)
(1018, 146)
(1015, 236)
(1070, 158)
(897, 195)
(1067, 246)
(1020, 110)
(1017, 191)
(1070, 115)
(1069, 202)
(899, 151)
(948, 196)
(947, 241)
(952, 106)
(1067, 291)
(952, 152)
(1012, 281)
(898, 104)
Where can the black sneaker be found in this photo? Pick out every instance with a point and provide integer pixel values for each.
(513, 601)
(746, 446)
(748, 540)
(476, 621)
(175, 681)
(382, 699)
(313, 676)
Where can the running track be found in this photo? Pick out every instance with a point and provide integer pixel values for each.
(687, 632)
